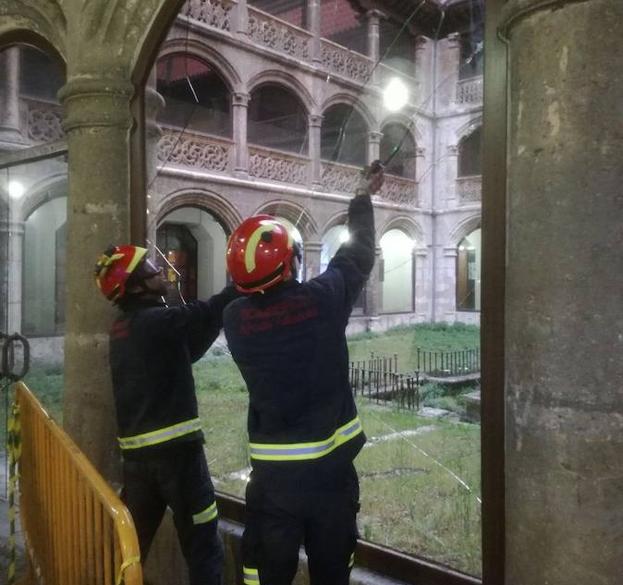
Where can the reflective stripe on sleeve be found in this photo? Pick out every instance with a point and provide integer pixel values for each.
(302, 451)
(207, 515)
(161, 435)
(250, 576)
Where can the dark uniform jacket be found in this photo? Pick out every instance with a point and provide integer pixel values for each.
(152, 348)
(290, 346)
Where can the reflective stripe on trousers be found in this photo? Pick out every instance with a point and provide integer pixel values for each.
(207, 515)
(302, 451)
(250, 576)
(160, 435)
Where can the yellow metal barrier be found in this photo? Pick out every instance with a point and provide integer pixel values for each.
(77, 531)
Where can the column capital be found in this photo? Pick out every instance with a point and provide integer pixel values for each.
(312, 246)
(420, 151)
(453, 149)
(375, 136)
(241, 99)
(315, 120)
(454, 40)
(421, 42)
(101, 102)
(375, 13)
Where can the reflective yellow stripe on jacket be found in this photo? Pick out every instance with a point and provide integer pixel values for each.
(207, 515)
(160, 435)
(303, 451)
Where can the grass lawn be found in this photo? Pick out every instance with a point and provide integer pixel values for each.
(420, 477)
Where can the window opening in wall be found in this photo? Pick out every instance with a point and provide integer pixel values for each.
(470, 154)
(344, 23)
(292, 11)
(277, 119)
(306, 113)
(191, 87)
(344, 135)
(469, 254)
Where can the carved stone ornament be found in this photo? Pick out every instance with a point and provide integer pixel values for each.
(337, 178)
(193, 152)
(276, 168)
(45, 124)
(469, 91)
(346, 63)
(214, 13)
(469, 189)
(399, 190)
(278, 36)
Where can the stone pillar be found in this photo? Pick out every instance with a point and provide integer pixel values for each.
(448, 64)
(240, 104)
(422, 70)
(241, 18)
(374, 287)
(97, 123)
(312, 251)
(374, 39)
(315, 124)
(420, 253)
(423, 179)
(154, 102)
(374, 145)
(452, 173)
(15, 234)
(564, 275)
(313, 26)
(9, 95)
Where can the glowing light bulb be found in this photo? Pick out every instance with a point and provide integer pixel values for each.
(395, 95)
(16, 189)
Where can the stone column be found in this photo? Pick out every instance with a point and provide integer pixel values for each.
(420, 253)
(374, 145)
(312, 252)
(448, 64)
(15, 233)
(154, 102)
(374, 288)
(564, 276)
(452, 174)
(315, 124)
(374, 39)
(97, 123)
(313, 26)
(240, 104)
(9, 95)
(422, 70)
(241, 19)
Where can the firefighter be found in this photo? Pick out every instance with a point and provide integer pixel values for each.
(288, 340)
(152, 348)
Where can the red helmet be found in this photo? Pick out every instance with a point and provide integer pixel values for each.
(259, 254)
(114, 267)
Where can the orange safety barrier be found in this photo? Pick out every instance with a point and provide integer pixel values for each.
(77, 530)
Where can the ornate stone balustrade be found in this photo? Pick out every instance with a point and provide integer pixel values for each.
(194, 150)
(469, 91)
(469, 189)
(399, 190)
(213, 13)
(337, 59)
(275, 34)
(278, 166)
(43, 121)
(339, 178)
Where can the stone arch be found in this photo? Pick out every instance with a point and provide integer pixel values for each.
(463, 228)
(296, 214)
(405, 121)
(45, 28)
(338, 218)
(283, 79)
(222, 210)
(46, 190)
(204, 52)
(466, 129)
(405, 224)
(357, 105)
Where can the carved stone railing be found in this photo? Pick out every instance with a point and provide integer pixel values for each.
(399, 190)
(213, 13)
(469, 189)
(278, 166)
(270, 32)
(340, 178)
(43, 121)
(194, 150)
(341, 61)
(469, 91)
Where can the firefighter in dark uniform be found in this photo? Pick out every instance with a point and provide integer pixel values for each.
(288, 340)
(152, 348)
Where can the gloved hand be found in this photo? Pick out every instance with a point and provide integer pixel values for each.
(371, 179)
